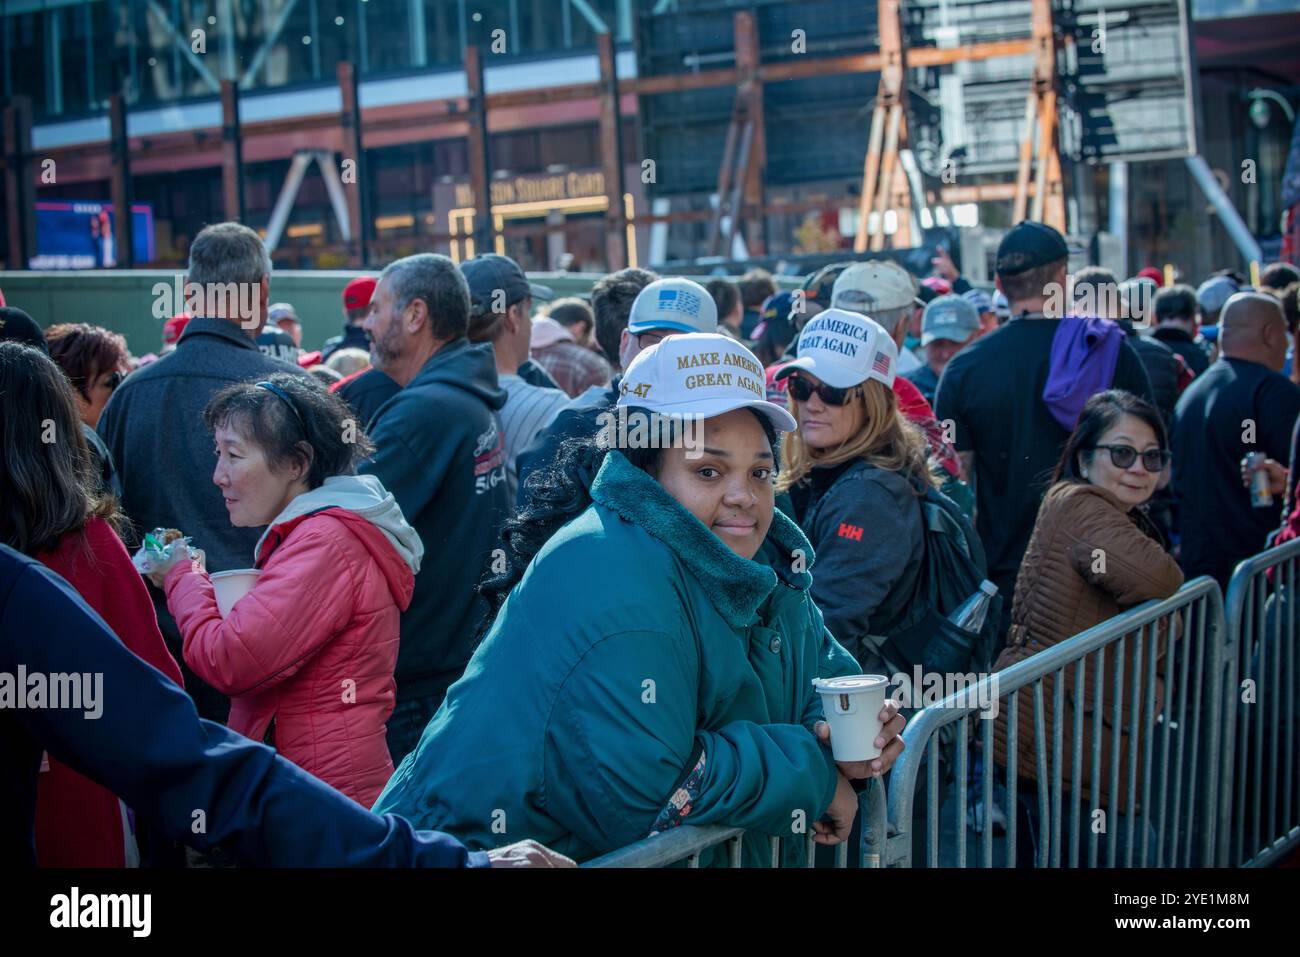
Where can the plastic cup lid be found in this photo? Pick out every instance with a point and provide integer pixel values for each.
(849, 684)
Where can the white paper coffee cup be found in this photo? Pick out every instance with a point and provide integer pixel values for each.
(231, 586)
(852, 707)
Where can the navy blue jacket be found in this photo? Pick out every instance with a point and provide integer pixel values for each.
(150, 748)
(577, 420)
(368, 393)
(441, 452)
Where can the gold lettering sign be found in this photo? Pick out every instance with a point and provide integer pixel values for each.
(537, 189)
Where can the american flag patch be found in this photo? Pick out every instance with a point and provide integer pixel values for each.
(679, 300)
(881, 364)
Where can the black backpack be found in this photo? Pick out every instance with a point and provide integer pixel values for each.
(951, 572)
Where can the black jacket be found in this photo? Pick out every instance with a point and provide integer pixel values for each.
(1162, 369)
(354, 337)
(149, 747)
(165, 456)
(440, 451)
(577, 420)
(367, 393)
(1181, 342)
(866, 529)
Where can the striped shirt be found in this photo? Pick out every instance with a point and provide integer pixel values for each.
(527, 411)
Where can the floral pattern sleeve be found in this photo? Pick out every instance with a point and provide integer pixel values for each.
(683, 798)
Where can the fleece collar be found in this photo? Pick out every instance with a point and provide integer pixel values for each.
(736, 586)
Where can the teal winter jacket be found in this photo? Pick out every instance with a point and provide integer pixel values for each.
(639, 676)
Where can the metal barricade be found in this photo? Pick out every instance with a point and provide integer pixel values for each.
(1178, 742)
(1259, 819)
(687, 843)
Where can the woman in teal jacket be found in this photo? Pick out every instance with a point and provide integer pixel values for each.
(653, 664)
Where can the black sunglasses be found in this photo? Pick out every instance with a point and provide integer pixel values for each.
(114, 381)
(802, 390)
(1123, 457)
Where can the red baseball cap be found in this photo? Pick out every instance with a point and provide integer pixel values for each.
(173, 328)
(938, 284)
(1155, 275)
(357, 293)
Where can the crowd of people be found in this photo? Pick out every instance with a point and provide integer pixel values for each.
(480, 612)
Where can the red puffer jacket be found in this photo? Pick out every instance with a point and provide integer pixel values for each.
(313, 644)
(79, 822)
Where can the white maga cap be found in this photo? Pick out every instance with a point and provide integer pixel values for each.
(844, 349)
(704, 374)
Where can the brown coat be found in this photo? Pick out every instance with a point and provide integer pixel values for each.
(1088, 560)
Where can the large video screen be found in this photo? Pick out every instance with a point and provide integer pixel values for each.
(78, 234)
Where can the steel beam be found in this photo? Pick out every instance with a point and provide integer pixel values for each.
(19, 182)
(480, 153)
(611, 153)
(232, 153)
(120, 183)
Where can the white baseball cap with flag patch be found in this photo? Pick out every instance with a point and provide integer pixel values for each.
(702, 374)
(844, 349)
(677, 304)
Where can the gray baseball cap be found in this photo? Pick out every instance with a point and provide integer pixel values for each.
(1214, 292)
(949, 317)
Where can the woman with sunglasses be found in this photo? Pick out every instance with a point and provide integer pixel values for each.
(307, 655)
(1093, 554)
(95, 361)
(651, 643)
(855, 471)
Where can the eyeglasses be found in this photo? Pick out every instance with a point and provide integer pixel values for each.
(114, 381)
(648, 339)
(1123, 457)
(802, 390)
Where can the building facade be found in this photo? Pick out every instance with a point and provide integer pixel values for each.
(554, 199)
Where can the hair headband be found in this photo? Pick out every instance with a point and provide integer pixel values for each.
(284, 397)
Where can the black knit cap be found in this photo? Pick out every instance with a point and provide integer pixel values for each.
(1028, 245)
(17, 326)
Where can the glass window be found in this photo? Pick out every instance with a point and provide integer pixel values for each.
(442, 27)
(336, 36)
(388, 41)
(103, 49)
(27, 77)
(75, 68)
(158, 77)
(541, 26)
(300, 62)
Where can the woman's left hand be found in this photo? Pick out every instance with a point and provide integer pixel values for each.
(889, 741)
(158, 574)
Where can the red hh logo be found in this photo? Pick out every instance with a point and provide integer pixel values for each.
(850, 531)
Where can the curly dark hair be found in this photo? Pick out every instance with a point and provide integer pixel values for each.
(559, 491)
(48, 485)
(296, 421)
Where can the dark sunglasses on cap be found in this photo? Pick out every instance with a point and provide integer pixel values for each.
(802, 390)
(1123, 457)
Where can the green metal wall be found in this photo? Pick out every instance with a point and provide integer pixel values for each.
(123, 300)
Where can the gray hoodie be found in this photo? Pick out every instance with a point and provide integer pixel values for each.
(363, 495)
